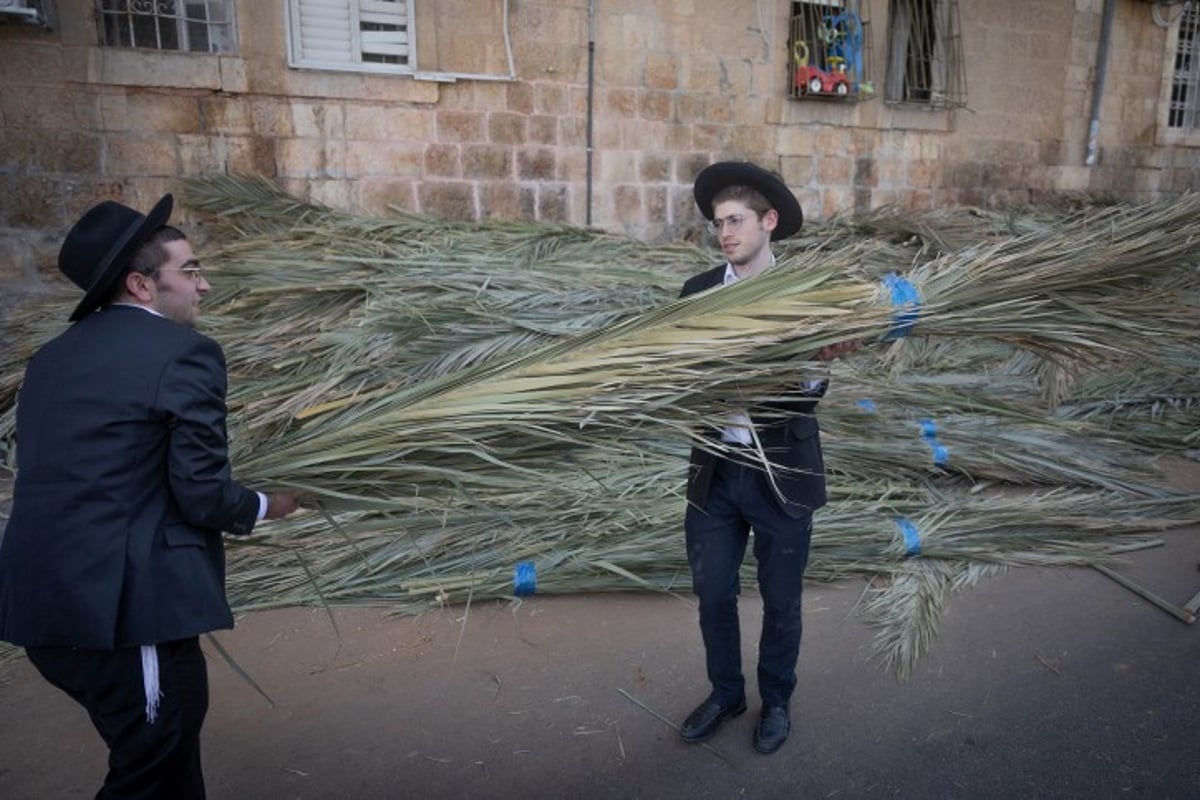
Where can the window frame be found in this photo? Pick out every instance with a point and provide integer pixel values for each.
(1167, 133)
(941, 60)
(830, 51)
(361, 45)
(220, 29)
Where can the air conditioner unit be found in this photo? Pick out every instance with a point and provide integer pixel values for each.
(20, 8)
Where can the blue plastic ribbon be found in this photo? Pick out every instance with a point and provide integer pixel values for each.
(907, 301)
(867, 405)
(941, 453)
(912, 537)
(524, 579)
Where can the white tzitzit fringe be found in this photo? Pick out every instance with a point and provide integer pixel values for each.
(150, 681)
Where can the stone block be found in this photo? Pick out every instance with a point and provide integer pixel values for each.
(137, 155)
(233, 75)
(572, 132)
(519, 97)
(535, 164)
(550, 98)
(373, 122)
(376, 196)
(487, 161)
(572, 167)
(321, 158)
(797, 170)
(661, 71)
(318, 119)
(553, 203)
(443, 161)
(161, 112)
(250, 155)
(198, 155)
(225, 116)
(656, 105)
(619, 103)
(834, 170)
(506, 128)
(542, 129)
(448, 199)
(460, 126)
(66, 108)
(616, 167)
(401, 159)
(502, 200)
(114, 66)
(655, 168)
(271, 117)
(627, 205)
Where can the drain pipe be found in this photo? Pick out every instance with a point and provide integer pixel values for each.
(591, 92)
(1093, 142)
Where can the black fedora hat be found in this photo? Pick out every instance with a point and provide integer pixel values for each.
(770, 185)
(100, 245)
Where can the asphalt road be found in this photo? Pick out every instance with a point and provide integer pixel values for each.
(1043, 683)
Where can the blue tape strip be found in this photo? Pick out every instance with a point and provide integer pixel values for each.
(524, 579)
(941, 453)
(907, 301)
(867, 405)
(912, 537)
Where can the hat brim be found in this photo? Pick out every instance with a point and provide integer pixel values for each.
(118, 256)
(715, 177)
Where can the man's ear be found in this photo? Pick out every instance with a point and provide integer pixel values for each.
(770, 220)
(139, 287)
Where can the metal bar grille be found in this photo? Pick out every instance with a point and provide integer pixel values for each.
(205, 26)
(829, 49)
(1185, 82)
(925, 63)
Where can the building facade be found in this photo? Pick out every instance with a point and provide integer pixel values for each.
(594, 112)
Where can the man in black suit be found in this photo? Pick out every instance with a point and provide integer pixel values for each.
(728, 495)
(112, 562)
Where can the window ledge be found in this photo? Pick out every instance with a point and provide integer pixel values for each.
(120, 67)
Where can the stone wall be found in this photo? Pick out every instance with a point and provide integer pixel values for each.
(677, 84)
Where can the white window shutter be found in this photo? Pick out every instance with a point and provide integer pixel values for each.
(330, 34)
(322, 33)
(393, 14)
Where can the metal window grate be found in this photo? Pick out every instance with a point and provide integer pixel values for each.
(925, 64)
(180, 25)
(829, 48)
(1185, 81)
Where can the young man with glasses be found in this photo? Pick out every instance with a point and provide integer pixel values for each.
(730, 495)
(112, 562)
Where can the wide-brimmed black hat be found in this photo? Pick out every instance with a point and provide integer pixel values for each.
(100, 245)
(716, 177)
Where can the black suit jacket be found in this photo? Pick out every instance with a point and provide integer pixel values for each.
(123, 488)
(791, 441)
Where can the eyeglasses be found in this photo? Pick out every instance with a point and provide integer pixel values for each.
(733, 222)
(195, 274)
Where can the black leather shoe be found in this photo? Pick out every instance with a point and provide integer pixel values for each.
(772, 730)
(708, 716)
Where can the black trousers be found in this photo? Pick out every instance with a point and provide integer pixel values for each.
(146, 760)
(740, 499)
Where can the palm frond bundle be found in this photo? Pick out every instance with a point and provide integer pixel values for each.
(461, 398)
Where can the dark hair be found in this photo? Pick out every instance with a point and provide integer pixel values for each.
(148, 259)
(755, 200)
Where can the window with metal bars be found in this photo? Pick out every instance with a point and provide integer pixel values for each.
(829, 49)
(197, 27)
(1185, 79)
(924, 63)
